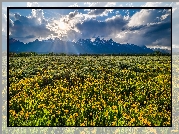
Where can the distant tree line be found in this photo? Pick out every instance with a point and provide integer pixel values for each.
(22, 54)
(27, 54)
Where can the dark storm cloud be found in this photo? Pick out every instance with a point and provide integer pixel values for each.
(157, 30)
(150, 35)
(23, 26)
(135, 28)
(92, 27)
(88, 28)
(116, 22)
(153, 30)
(158, 33)
(21, 29)
(164, 42)
(96, 12)
(148, 27)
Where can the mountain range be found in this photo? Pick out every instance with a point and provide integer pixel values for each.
(98, 46)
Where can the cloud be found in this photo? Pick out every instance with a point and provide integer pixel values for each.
(146, 16)
(72, 14)
(158, 30)
(92, 27)
(96, 11)
(148, 27)
(96, 4)
(127, 36)
(34, 25)
(74, 5)
(116, 22)
(152, 4)
(66, 21)
(163, 42)
(110, 4)
(100, 4)
(39, 15)
(72, 35)
(149, 35)
(11, 24)
(4, 24)
(100, 12)
(175, 17)
(32, 4)
(163, 17)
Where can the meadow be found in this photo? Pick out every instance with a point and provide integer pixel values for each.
(90, 91)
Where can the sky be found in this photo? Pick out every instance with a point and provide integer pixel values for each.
(136, 26)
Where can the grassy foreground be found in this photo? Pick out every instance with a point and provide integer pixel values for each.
(90, 91)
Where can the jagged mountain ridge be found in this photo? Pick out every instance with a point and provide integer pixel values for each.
(98, 46)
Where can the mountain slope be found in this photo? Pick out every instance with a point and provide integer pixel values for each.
(98, 46)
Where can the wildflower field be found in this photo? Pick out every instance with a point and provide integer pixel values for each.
(90, 91)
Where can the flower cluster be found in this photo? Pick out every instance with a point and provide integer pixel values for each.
(90, 91)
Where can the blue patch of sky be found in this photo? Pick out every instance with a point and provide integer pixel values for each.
(23, 12)
(122, 12)
(56, 12)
